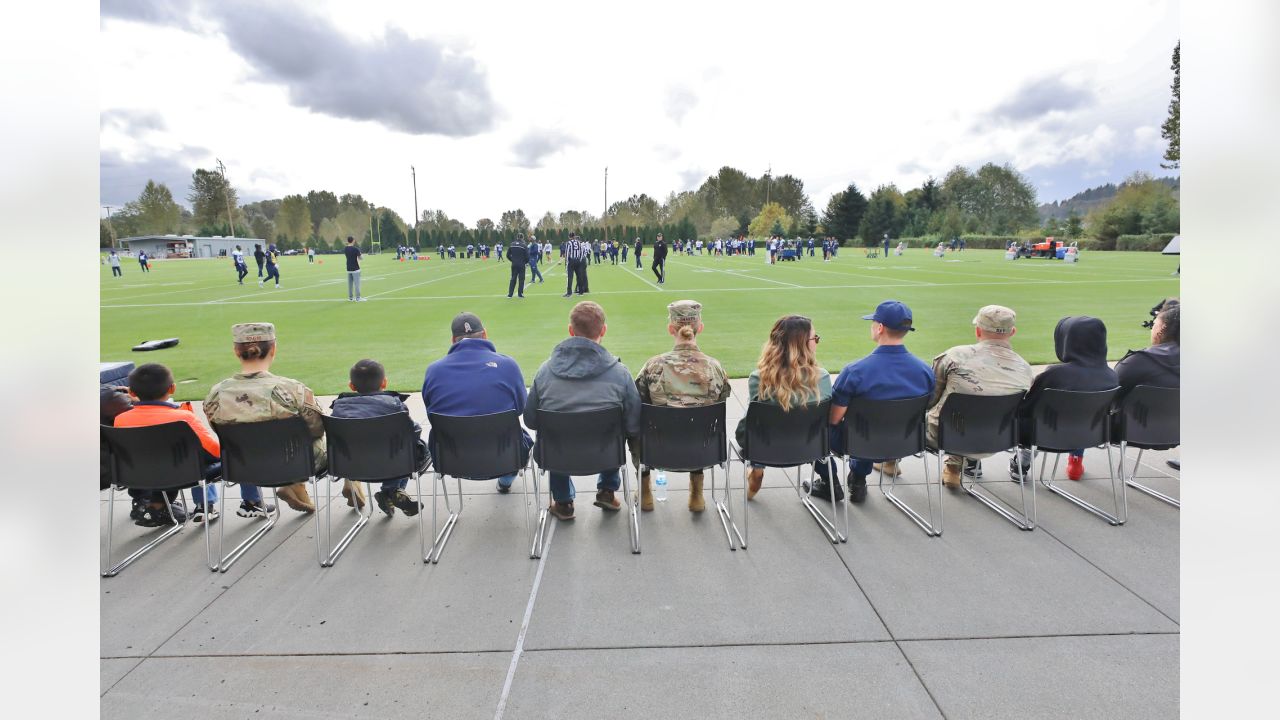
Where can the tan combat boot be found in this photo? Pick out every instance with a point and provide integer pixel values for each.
(353, 493)
(951, 476)
(754, 480)
(646, 492)
(296, 497)
(696, 503)
(890, 468)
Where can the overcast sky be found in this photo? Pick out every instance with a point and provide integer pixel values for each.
(523, 105)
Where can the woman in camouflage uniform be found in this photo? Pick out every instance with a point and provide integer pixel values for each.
(255, 395)
(684, 377)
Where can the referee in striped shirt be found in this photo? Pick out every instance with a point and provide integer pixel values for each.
(576, 252)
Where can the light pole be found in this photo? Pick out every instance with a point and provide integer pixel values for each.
(417, 234)
(606, 205)
(226, 193)
(111, 227)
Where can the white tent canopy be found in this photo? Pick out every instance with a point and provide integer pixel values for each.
(1172, 247)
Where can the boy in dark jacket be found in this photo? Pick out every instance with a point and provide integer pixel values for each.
(1081, 344)
(1160, 364)
(370, 398)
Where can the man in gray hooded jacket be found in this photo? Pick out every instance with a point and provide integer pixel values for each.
(581, 376)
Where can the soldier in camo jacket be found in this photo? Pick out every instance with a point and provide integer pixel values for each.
(683, 377)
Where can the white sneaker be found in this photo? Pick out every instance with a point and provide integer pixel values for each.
(361, 299)
(259, 283)
(277, 286)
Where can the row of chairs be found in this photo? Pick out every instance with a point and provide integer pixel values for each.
(273, 454)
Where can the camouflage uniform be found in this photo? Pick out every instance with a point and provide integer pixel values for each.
(684, 377)
(261, 396)
(988, 367)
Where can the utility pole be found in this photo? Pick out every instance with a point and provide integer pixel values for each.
(226, 193)
(372, 238)
(768, 188)
(605, 216)
(111, 227)
(417, 234)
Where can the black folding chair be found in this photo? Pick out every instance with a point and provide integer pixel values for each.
(163, 458)
(269, 454)
(1064, 420)
(984, 425)
(367, 450)
(690, 439)
(1148, 420)
(792, 439)
(585, 443)
(481, 447)
(880, 430)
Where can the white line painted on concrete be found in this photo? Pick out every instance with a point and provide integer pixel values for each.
(524, 624)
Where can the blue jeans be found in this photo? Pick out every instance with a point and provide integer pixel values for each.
(859, 466)
(562, 487)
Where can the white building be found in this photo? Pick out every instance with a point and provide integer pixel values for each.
(186, 246)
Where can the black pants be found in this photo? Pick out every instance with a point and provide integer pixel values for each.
(517, 271)
(116, 271)
(143, 265)
(241, 271)
(572, 269)
(660, 268)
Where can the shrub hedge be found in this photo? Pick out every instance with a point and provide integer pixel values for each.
(1149, 243)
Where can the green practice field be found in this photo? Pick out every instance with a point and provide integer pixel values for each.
(405, 323)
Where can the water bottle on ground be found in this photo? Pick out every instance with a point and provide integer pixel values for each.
(660, 487)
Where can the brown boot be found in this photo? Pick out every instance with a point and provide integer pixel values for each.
(696, 503)
(296, 497)
(754, 480)
(353, 493)
(890, 468)
(646, 492)
(951, 476)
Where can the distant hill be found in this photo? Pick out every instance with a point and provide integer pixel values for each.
(1083, 202)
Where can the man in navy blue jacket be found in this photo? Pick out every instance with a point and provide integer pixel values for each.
(473, 378)
(890, 372)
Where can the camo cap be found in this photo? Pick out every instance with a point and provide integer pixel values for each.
(995, 319)
(684, 311)
(253, 332)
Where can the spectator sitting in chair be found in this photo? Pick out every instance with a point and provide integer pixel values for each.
(1160, 364)
(1081, 344)
(581, 376)
(369, 397)
(787, 375)
(988, 367)
(684, 377)
(888, 373)
(150, 386)
(255, 395)
(473, 378)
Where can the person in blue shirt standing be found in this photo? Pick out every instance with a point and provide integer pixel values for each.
(143, 260)
(535, 255)
(473, 378)
(890, 372)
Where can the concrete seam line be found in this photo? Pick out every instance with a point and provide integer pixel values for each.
(524, 624)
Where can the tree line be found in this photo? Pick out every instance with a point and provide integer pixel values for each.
(994, 200)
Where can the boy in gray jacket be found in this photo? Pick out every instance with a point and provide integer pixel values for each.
(581, 376)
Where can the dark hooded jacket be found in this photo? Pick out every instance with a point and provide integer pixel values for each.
(1158, 365)
(579, 376)
(377, 404)
(1081, 344)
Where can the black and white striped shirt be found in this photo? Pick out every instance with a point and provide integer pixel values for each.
(577, 250)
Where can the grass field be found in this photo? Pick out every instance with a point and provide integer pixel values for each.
(405, 323)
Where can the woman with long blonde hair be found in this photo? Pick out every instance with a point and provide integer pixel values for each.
(787, 375)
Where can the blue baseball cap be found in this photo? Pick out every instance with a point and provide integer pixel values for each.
(892, 314)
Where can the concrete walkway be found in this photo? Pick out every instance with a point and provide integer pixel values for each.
(1076, 619)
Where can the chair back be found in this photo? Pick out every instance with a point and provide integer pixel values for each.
(156, 457)
(581, 443)
(885, 429)
(1063, 420)
(978, 424)
(479, 447)
(271, 453)
(375, 449)
(1148, 418)
(778, 438)
(683, 439)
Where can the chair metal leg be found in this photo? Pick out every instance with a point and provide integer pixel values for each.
(362, 519)
(540, 528)
(422, 533)
(930, 527)
(1131, 481)
(633, 511)
(826, 524)
(1117, 492)
(1025, 521)
(722, 508)
(442, 538)
(110, 570)
(268, 522)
